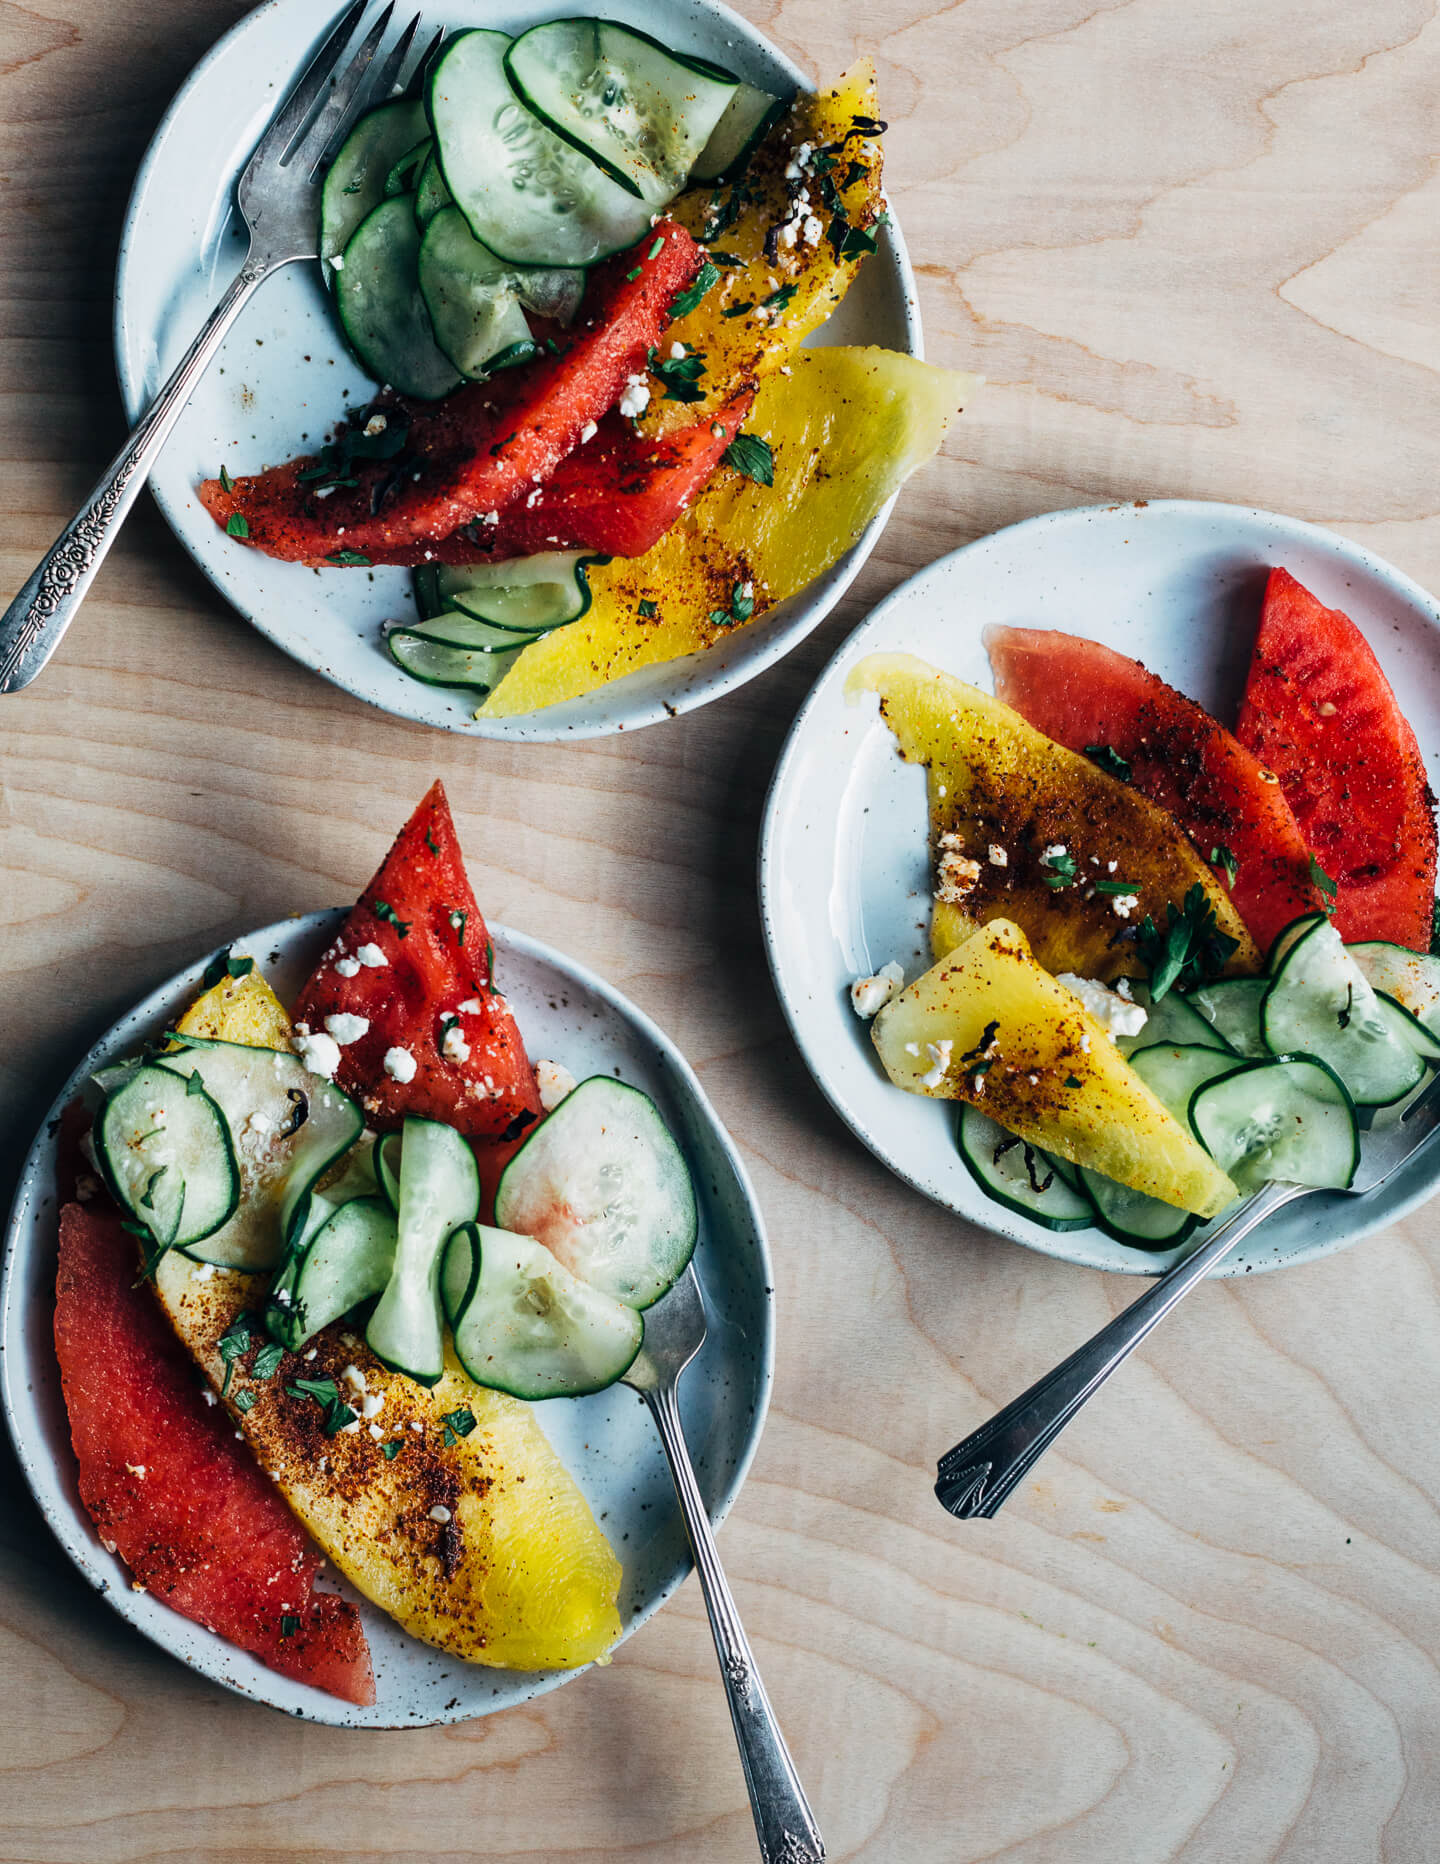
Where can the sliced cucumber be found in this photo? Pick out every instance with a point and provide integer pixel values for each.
(1412, 978)
(1288, 1119)
(431, 194)
(524, 1324)
(287, 1126)
(747, 120)
(1173, 1021)
(355, 183)
(1286, 937)
(470, 295)
(1232, 1008)
(404, 175)
(1320, 1003)
(439, 1190)
(531, 594)
(1408, 1027)
(622, 99)
(349, 1259)
(165, 1148)
(439, 663)
(387, 1167)
(426, 580)
(527, 194)
(604, 1186)
(381, 307)
(1019, 1176)
(1172, 1072)
(456, 628)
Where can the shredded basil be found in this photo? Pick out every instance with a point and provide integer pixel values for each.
(704, 282)
(752, 457)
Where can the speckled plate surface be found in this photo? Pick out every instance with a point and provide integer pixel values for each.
(284, 377)
(607, 1441)
(845, 866)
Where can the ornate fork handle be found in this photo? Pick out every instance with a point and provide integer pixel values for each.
(783, 1821)
(36, 620)
(978, 1474)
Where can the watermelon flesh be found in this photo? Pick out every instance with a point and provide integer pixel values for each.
(1319, 711)
(168, 1486)
(1083, 695)
(483, 447)
(617, 495)
(420, 914)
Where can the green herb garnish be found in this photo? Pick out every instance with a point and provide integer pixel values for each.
(1221, 857)
(458, 1424)
(1190, 950)
(704, 282)
(632, 275)
(226, 966)
(1327, 887)
(288, 1625)
(1119, 888)
(338, 459)
(738, 310)
(751, 456)
(393, 1448)
(659, 247)
(490, 967)
(1072, 1080)
(233, 1343)
(382, 909)
(1063, 872)
(266, 1362)
(646, 609)
(742, 607)
(237, 525)
(780, 300)
(680, 374)
(195, 1085)
(457, 923)
(244, 1401)
(349, 559)
(431, 843)
(227, 484)
(1109, 759)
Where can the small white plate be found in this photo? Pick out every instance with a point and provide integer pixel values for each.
(844, 860)
(284, 378)
(607, 1441)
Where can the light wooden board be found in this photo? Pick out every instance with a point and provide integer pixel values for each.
(1196, 248)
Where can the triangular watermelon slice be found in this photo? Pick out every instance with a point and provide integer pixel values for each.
(414, 964)
(168, 1486)
(1320, 713)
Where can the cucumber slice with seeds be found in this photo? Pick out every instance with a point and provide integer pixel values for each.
(1320, 1003)
(1412, 978)
(748, 119)
(165, 1148)
(622, 99)
(1173, 1021)
(523, 1324)
(355, 182)
(602, 1183)
(1288, 1119)
(1020, 1176)
(1232, 1008)
(526, 193)
(381, 307)
(439, 1190)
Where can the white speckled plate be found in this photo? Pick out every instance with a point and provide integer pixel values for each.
(283, 377)
(607, 1441)
(844, 863)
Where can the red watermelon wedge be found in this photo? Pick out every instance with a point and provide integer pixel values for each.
(1320, 713)
(1084, 695)
(419, 916)
(168, 1486)
(486, 445)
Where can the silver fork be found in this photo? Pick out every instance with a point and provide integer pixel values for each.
(784, 1824)
(279, 198)
(979, 1474)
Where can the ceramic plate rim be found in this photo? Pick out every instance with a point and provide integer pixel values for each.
(756, 654)
(73, 1529)
(869, 633)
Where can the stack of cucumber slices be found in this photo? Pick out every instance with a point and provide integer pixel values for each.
(1274, 1075)
(447, 222)
(475, 620)
(242, 1158)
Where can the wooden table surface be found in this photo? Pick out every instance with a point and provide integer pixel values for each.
(1196, 249)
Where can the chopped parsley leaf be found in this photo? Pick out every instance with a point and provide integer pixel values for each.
(288, 1625)
(266, 1362)
(393, 1448)
(1062, 870)
(680, 374)
(237, 525)
(1109, 760)
(704, 282)
(646, 609)
(1190, 950)
(225, 966)
(1072, 1080)
(1327, 887)
(458, 1424)
(752, 457)
(382, 909)
(457, 923)
(227, 484)
(349, 559)
(1221, 857)
(742, 607)
(244, 1401)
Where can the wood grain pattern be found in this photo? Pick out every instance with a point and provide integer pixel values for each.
(1195, 249)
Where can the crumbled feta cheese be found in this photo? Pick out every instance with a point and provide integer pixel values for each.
(532, 499)
(203, 1271)
(320, 1053)
(455, 1047)
(350, 1428)
(347, 1028)
(1124, 904)
(352, 1375)
(554, 1083)
(372, 958)
(1116, 1014)
(440, 1512)
(208, 1396)
(1327, 708)
(489, 517)
(375, 425)
(588, 432)
(813, 230)
(998, 856)
(470, 1007)
(912, 1048)
(1122, 989)
(868, 995)
(939, 1053)
(136, 1469)
(956, 874)
(373, 1405)
(325, 491)
(415, 1424)
(799, 163)
(677, 352)
(337, 261)
(376, 1432)
(1054, 852)
(314, 1353)
(347, 967)
(635, 397)
(400, 1065)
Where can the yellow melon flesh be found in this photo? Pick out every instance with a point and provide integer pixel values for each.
(989, 1025)
(847, 427)
(997, 783)
(519, 1576)
(791, 293)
